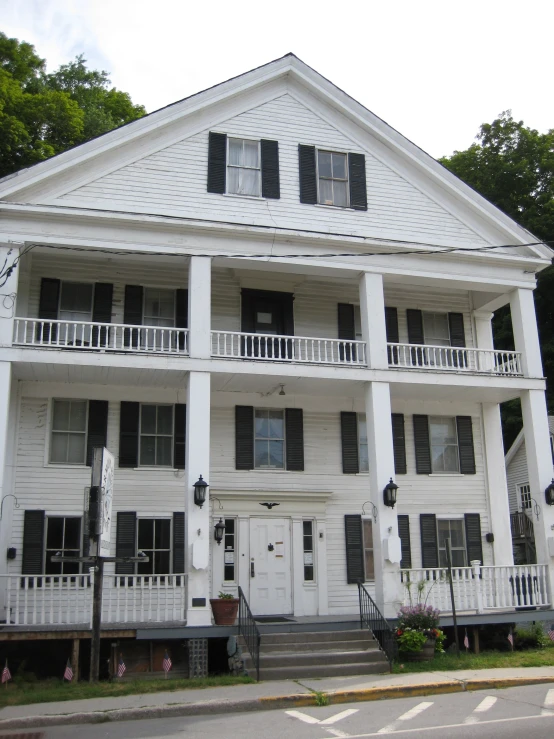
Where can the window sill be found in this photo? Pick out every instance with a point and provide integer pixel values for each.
(446, 474)
(67, 466)
(339, 207)
(243, 197)
(156, 468)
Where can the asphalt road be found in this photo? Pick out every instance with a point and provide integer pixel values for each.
(509, 714)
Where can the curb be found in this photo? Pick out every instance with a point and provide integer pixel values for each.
(268, 703)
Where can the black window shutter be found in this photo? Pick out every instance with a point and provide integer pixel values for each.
(125, 542)
(132, 313)
(178, 542)
(349, 437)
(270, 169)
(465, 445)
(422, 445)
(415, 326)
(97, 431)
(247, 312)
(217, 162)
(347, 328)
(391, 325)
(429, 542)
(128, 434)
(244, 437)
(181, 314)
(456, 326)
(179, 436)
(101, 311)
(474, 543)
(399, 443)
(358, 188)
(33, 543)
(48, 307)
(294, 438)
(404, 534)
(288, 314)
(354, 548)
(308, 183)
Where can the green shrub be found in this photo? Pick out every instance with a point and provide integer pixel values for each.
(532, 637)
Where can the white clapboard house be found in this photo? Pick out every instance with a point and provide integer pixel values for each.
(266, 285)
(524, 508)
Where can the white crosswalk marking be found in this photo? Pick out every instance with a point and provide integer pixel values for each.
(412, 713)
(339, 716)
(303, 717)
(549, 704)
(485, 705)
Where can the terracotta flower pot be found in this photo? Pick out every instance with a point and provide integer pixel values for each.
(225, 610)
(426, 653)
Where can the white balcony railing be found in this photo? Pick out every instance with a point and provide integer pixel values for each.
(115, 337)
(48, 600)
(457, 359)
(477, 588)
(236, 345)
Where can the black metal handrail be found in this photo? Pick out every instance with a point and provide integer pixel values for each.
(249, 632)
(372, 619)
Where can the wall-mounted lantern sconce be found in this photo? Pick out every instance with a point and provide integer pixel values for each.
(389, 494)
(219, 531)
(549, 493)
(200, 487)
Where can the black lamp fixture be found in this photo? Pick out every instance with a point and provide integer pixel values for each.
(200, 487)
(549, 493)
(389, 494)
(219, 531)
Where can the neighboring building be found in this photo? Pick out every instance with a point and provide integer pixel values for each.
(524, 507)
(256, 284)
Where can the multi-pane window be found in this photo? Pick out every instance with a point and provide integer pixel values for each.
(76, 301)
(332, 170)
(63, 537)
(454, 530)
(154, 539)
(243, 168)
(525, 496)
(444, 444)
(156, 435)
(68, 440)
(159, 307)
(308, 531)
(269, 439)
(229, 541)
(369, 566)
(436, 329)
(362, 443)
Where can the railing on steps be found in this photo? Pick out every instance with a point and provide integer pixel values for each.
(372, 619)
(249, 631)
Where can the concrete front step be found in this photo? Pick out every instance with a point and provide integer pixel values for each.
(302, 637)
(324, 670)
(319, 646)
(290, 659)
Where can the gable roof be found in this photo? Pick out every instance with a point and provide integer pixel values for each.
(520, 438)
(287, 67)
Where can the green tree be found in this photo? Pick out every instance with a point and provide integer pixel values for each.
(44, 114)
(513, 167)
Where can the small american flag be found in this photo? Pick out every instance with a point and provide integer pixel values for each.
(6, 674)
(511, 638)
(550, 632)
(466, 641)
(121, 667)
(68, 673)
(167, 664)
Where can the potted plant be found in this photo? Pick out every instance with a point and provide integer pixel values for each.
(225, 608)
(417, 633)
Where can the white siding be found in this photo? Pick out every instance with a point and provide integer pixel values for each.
(173, 181)
(516, 471)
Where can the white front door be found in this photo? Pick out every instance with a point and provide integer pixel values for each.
(270, 566)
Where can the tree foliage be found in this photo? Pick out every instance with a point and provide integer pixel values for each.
(513, 167)
(44, 114)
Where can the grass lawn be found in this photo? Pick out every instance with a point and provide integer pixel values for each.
(19, 693)
(528, 658)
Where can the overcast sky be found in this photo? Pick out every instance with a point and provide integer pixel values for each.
(435, 70)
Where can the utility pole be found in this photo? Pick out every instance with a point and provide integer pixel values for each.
(449, 564)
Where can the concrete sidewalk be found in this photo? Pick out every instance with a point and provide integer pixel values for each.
(267, 695)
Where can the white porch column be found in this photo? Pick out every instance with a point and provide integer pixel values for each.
(497, 486)
(386, 543)
(198, 527)
(484, 338)
(539, 466)
(526, 335)
(372, 313)
(200, 300)
(8, 425)
(7, 303)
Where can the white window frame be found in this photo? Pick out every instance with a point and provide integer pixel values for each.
(434, 341)
(359, 417)
(524, 503)
(312, 522)
(53, 431)
(234, 550)
(445, 472)
(172, 436)
(368, 519)
(236, 166)
(89, 314)
(49, 552)
(332, 179)
(146, 517)
(268, 439)
(450, 519)
(153, 318)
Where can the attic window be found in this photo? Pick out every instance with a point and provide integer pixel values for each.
(243, 169)
(332, 172)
